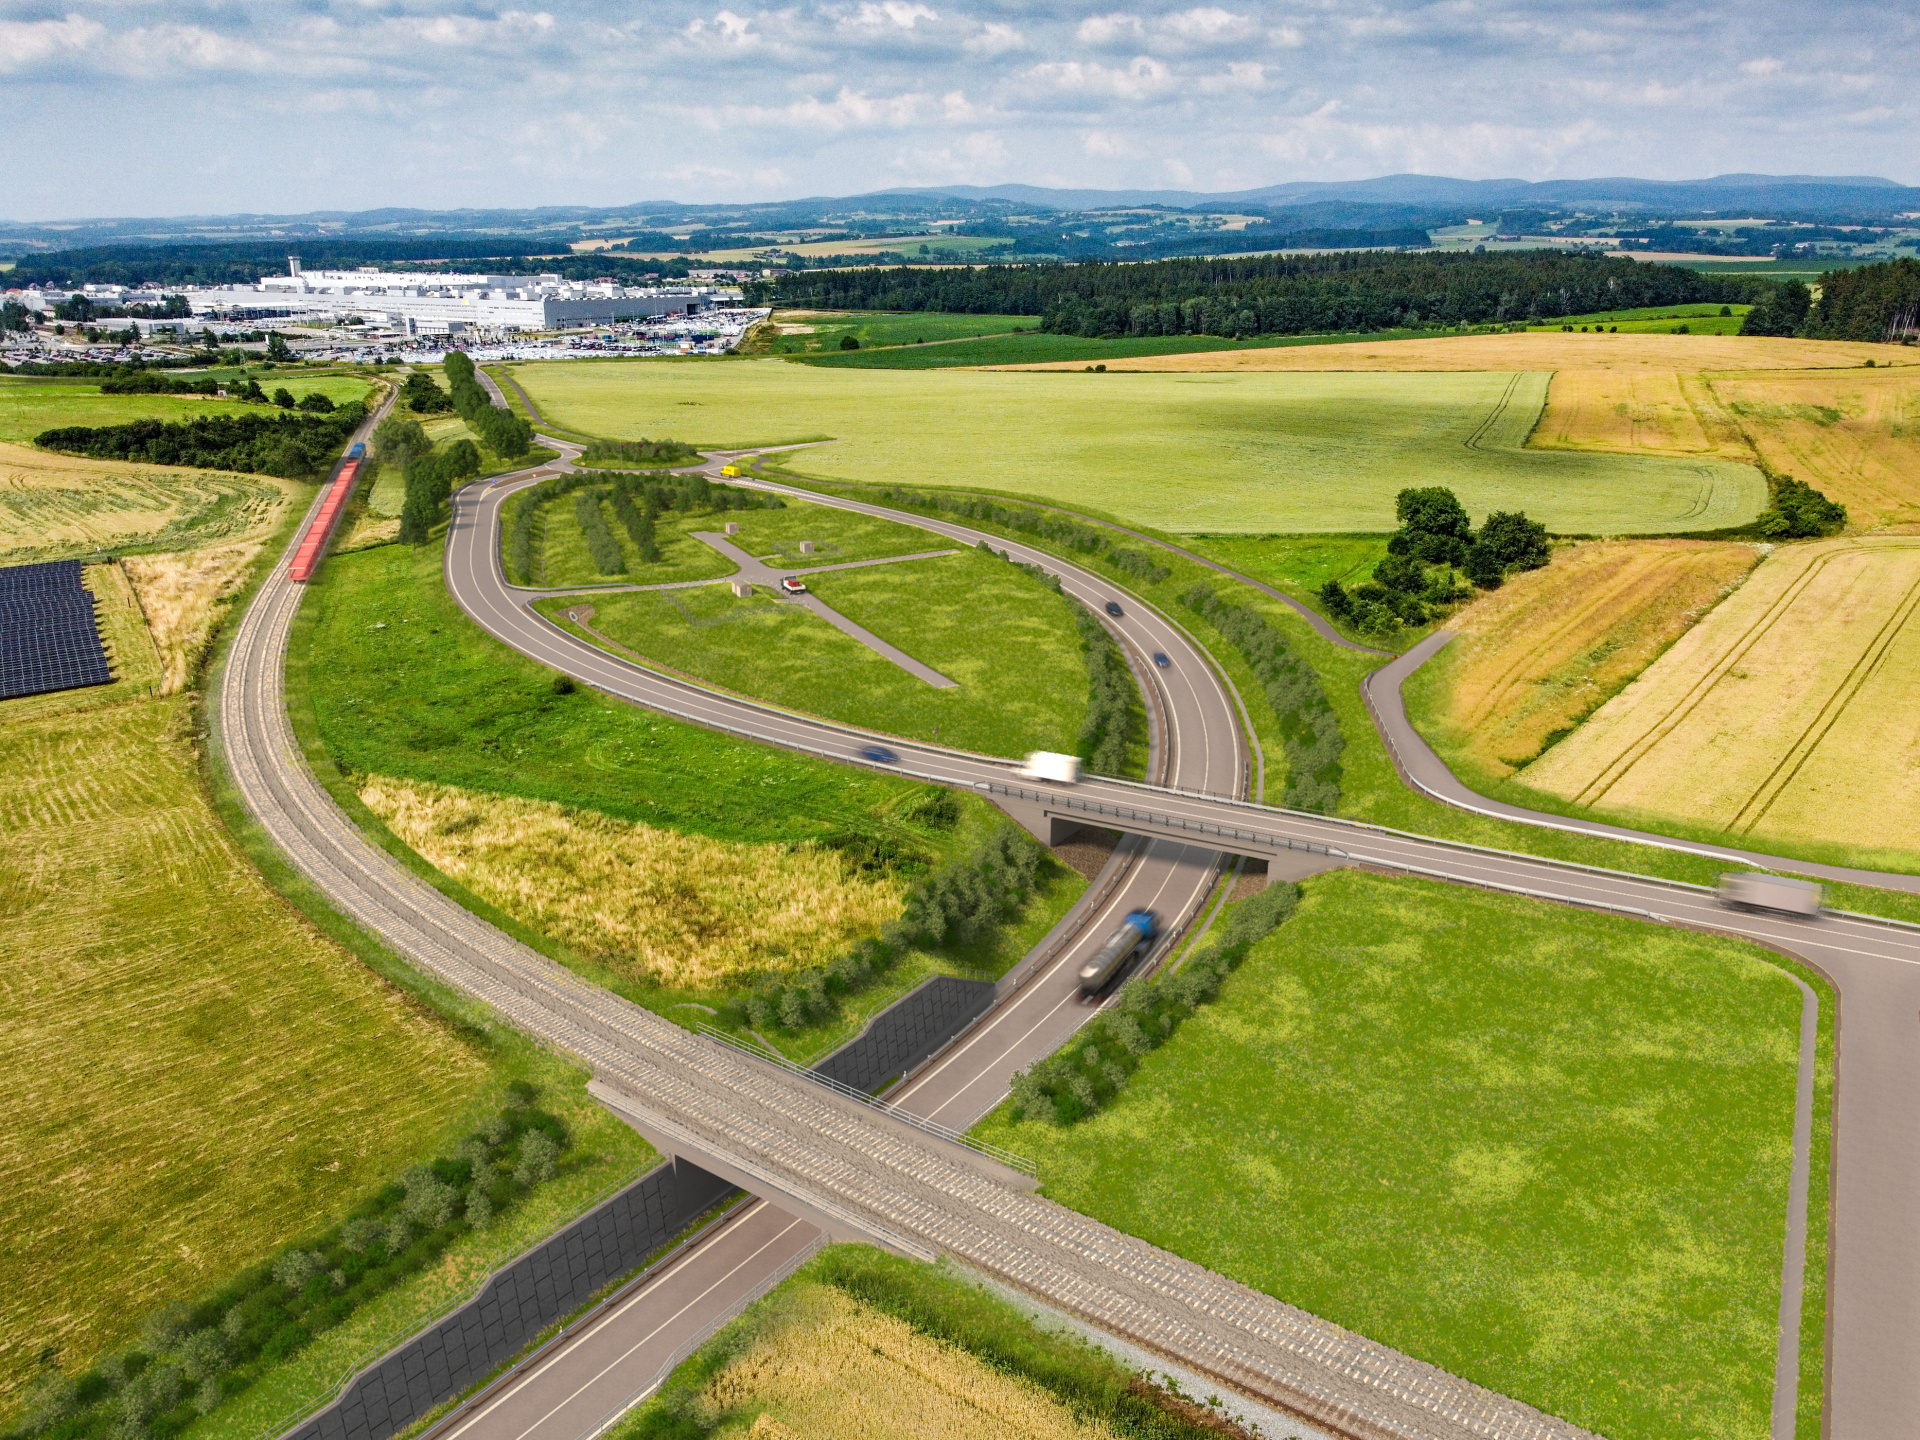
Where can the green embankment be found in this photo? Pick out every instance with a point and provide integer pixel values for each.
(1544, 1149)
(1007, 641)
(1039, 349)
(388, 677)
(1215, 453)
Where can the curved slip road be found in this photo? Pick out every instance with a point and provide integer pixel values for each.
(1873, 1295)
(1874, 1260)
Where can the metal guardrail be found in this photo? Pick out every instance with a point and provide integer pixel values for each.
(1147, 817)
(930, 1127)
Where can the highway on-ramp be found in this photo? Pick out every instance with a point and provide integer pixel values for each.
(1873, 1390)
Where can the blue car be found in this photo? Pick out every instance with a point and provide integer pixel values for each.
(879, 755)
(1160, 659)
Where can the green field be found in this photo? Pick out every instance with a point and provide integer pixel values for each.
(28, 407)
(814, 331)
(1658, 320)
(561, 556)
(1216, 453)
(1297, 565)
(1008, 642)
(1038, 349)
(1543, 1149)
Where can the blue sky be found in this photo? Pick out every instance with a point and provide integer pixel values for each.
(178, 106)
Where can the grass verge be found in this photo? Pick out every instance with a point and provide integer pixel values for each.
(1543, 1149)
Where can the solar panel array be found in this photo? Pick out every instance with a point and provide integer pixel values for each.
(48, 638)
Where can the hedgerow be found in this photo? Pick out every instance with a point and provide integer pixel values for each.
(194, 1355)
(1091, 1070)
(1309, 729)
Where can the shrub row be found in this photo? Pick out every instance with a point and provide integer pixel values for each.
(430, 480)
(950, 907)
(640, 452)
(607, 557)
(1058, 530)
(424, 397)
(1094, 1067)
(1110, 696)
(294, 447)
(503, 432)
(639, 521)
(192, 1355)
(689, 493)
(1309, 729)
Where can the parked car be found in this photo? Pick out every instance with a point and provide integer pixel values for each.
(879, 755)
(793, 585)
(1113, 609)
(1160, 659)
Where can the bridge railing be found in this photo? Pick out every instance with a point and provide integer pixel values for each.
(1055, 800)
(930, 1127)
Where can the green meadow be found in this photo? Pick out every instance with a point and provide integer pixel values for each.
(1543, 1149)
(1009, 643)
(28, 406)
(1217, 453)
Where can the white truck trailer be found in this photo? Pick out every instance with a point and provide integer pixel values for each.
(1046, 765)
(1749, 890)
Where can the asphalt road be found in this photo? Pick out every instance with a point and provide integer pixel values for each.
(1874, 1254)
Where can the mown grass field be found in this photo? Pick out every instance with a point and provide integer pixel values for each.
(402, 684)
(1658, 320)
(29, 406)
(798, 332)
(1543, 1149)
(1215, 453)
(1008, 643)
(1785, 713)
(561, 556)
(1035, 348)
(198, 1077)
(1295, 564)
(1537, 656)
(57, 507)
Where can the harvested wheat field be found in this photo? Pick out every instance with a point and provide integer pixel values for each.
(182, 596)
(1690, 353)
(1791, 711)
(1855, 436)
(194, 1077)
(831, 1368)
(1547, 648)
(1657, 412)
(55, 507)
(648, 903)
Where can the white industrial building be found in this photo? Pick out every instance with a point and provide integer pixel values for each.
(454, 304)
(419, 304)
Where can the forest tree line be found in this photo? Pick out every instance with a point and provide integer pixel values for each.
(1274, 294)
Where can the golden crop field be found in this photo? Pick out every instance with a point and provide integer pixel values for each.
(182, 597)
(194, 1076)
(1655, 411)
(1544, 650)
(1533, 351)
(646, 902)
(1854, 435)
(831, 1368)
(55, 507)
(1788, 711)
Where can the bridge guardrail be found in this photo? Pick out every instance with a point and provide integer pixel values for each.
(1147, 817)
(930, 1127)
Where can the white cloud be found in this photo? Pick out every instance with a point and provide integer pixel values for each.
(28, 42)
(725, 27)
(1109, 30)
(850, 109)
(1206, 25)
(1763, 66)
(996, 39)
(1140, 78)
(901, 14)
